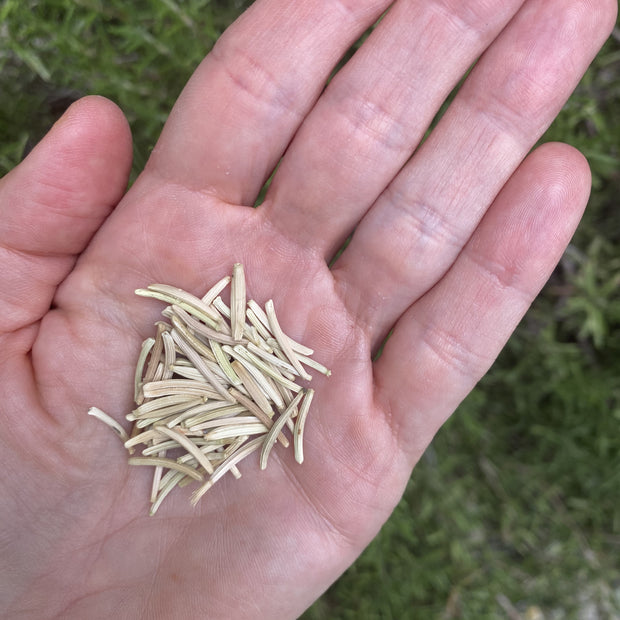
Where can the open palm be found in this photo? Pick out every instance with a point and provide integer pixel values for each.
(450, 247)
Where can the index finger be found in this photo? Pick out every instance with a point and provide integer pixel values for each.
(245, 101)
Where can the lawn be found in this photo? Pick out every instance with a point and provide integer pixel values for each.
(514, 511)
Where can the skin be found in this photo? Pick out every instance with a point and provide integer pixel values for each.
(451, 247)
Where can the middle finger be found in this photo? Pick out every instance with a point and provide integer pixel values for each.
(374, 113)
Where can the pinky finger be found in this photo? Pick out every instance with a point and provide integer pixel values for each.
(443, 345)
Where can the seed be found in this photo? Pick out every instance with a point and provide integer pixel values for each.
(253, 388)
(298, 431)
(215, 290)
(224, 363)
(284, 343)
(147, 346)
(270, 439)
(199, 364)
(239, 455)
(258, 412)
(237, 302)
(214, 385)
(166, 462)
(110, 421)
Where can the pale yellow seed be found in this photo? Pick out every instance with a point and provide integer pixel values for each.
(215, 290)
(167, 463)
(260, 377)
(110, 421)
(200, 328)
(283, 341)
(253, 388)
(237, 302)
(258, 412)
(175, 296)
(267, 367)
(230, 432)
(234, 459)
(156, 353)
(189, 445)
(188, 387)
(200, 365)
(298, 431)
(271, 437)
(224, 363)
(169, 355)
(164, 490)
(147, 346)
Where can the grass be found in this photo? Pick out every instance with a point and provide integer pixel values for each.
(513, 511)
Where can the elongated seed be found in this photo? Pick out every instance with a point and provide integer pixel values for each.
(230, 432)
(180, 386)
(224, 363)
(260, 377)
(237, 302)
(191, 339)
(308, 361)
(169, 355)
(202, 329)
(256, 322)
(147, 346)
(156, 419)
(143, 437)
(235, 458)
(264, 319)
(300, 422)
(158, 472)
(214, 418)
(110, 421)
(272, 435)
(189, 445)
(156, 448)
(188, 302)
(215, 290)
(165, 489)
(156, 353)
(258, 412)
(228, 421)
(283, 342)
(167, 463)
(163, 403)
(265, 367)
(252, 387)
(200, 365)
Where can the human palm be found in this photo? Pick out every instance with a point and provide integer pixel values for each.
(450, 247)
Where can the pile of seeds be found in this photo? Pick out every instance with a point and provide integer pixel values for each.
(216, 384)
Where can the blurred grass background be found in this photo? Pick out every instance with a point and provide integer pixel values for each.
(514, 512)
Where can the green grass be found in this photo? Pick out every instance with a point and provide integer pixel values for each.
(140, 54)
(515, 507)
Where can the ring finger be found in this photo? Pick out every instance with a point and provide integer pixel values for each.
(419, 225)
(374, 113)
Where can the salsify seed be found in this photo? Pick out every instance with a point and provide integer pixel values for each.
(215, 384)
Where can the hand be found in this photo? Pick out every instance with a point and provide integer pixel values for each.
(450, 248)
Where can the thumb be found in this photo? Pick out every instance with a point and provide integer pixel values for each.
(53, 203)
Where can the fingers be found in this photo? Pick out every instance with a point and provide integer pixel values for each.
(447, 340)
(244, 103)
(54, 201)
(417, 228)
(373, 115)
